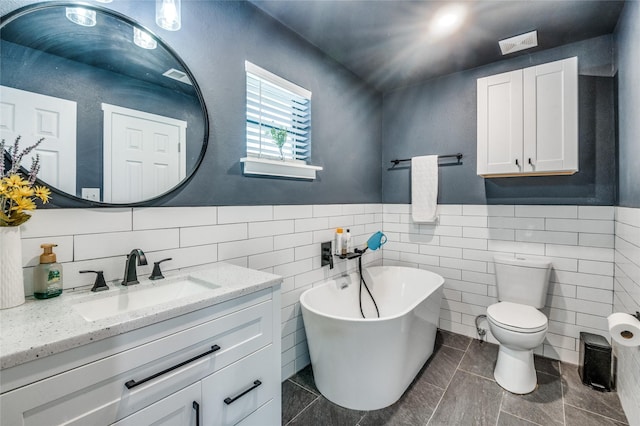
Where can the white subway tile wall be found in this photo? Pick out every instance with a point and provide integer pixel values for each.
(460, 247)
(626, 298)
(285, 240)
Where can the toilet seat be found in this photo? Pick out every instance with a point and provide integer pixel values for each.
(517, 317)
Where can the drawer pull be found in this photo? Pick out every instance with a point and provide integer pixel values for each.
(132, 383)
(255, 385)
(196, 407)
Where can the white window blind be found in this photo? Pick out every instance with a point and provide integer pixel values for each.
(275, 103)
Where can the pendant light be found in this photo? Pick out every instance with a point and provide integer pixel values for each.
(168, 14)
(81, 16)
(143, 39)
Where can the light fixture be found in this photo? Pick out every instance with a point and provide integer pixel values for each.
(81, 16)
(519, 42)
(143, 39)
(178, 75)
(168, 14)
(447, 20)
(104, 1)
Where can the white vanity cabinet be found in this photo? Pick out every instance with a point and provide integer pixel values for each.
(528, 121)
(175, 372)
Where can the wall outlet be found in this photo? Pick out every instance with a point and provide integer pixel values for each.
(91, 194)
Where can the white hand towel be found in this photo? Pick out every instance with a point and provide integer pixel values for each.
(424, 188)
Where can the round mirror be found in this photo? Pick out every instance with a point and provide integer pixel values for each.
(122, 117)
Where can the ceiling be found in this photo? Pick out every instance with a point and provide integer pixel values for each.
(389, 43)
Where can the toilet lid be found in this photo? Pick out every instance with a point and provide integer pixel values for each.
(517, 317)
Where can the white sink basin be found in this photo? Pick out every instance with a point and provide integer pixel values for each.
(141, 296)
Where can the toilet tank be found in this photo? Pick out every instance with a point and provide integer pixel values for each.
(522, 280)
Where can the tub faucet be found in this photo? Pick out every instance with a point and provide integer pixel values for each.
(130, 275)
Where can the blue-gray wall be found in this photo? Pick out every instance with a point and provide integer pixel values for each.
(439, 117)
(628, 61)
(357, 131)
(215, 40)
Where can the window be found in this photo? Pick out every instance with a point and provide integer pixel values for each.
(278, 123)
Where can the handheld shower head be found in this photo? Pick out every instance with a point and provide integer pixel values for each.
(376, 241)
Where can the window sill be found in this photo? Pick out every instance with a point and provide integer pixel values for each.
(288, 169)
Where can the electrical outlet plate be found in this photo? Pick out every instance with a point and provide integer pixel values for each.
(91, 194)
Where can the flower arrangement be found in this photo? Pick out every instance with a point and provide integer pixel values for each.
(279, 137)
(17, 193)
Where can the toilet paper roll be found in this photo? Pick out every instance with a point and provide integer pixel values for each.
(624, 329)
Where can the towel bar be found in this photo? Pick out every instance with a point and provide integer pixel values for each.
(458, 157)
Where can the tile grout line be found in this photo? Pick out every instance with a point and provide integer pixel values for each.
(449, 383)
(500, 408)
(480, 376)
(304, 387)
(306, 407)
(596, 414)
(564, 412)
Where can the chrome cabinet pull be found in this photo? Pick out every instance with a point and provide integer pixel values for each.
(256, 383)
(196, 407)
(132, 383)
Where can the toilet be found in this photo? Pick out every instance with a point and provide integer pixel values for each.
(515, 320)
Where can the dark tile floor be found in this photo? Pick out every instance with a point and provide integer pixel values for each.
(456, 387)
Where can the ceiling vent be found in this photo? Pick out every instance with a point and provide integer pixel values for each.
(519, 42)
(178, 75)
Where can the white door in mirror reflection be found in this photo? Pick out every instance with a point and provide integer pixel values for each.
(33, 116)
(144, 154)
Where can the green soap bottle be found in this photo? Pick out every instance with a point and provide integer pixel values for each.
(47, 275)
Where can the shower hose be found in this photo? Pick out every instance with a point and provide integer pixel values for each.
(362, 282)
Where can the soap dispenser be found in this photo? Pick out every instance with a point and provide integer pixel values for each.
(47, 275)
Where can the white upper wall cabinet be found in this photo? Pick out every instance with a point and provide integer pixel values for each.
(528, 121)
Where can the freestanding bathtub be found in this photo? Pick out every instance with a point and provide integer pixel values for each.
(367, 364)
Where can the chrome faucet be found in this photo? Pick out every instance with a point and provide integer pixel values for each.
(130, 275)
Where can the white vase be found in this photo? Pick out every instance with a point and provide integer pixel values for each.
(11, 278)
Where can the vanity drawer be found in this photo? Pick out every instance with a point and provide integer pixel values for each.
(181, 408)
(238, 390)
(95, 393)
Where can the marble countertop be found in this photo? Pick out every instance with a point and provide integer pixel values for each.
(40, 328)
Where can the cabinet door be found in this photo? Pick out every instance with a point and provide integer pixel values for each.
(551, 117)
(238, 390)
(500, 123)
(181, 408)
(263, 416)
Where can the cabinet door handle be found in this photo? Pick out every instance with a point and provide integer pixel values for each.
(132, 383)
(256, 383)
(517, 163)
(196, 407)
(530, 162)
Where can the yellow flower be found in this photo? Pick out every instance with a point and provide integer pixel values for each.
(17, 194)
(22, 204)
(15, 180)
(43, 193)
(23, 191)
